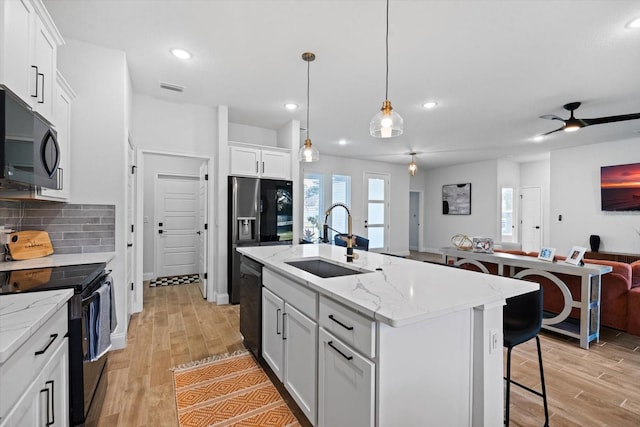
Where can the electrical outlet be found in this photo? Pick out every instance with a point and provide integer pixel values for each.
(494, 342)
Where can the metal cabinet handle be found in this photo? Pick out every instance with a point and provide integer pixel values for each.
(257, 166)
(330, 344)
(284, 336)
(37, 74)
(52, 338)
(51, 403)
(41, 100)
(262, 167)
(348, 328)
(278, 321)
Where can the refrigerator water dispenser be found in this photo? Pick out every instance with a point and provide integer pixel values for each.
(246, 228)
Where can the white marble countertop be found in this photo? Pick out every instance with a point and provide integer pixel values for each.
(22, 314)
(57, 260)
(403, 292)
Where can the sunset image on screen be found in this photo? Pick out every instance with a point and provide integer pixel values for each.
(620, 187)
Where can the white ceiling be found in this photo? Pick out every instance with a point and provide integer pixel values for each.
(493, 66)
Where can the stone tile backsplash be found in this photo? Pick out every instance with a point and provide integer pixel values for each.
(73, 229)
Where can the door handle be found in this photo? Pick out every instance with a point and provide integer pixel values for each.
(160, 231)
(41, 101)
(37, 74)
(537, 227)
(129, 245)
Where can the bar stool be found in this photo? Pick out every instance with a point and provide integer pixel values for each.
(522, 317)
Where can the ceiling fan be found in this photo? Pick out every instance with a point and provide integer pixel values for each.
(572, 124)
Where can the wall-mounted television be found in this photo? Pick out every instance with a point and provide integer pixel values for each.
(620, 187)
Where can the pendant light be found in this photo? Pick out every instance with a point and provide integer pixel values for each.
(307, 152)
(413, 167)
(387, 123)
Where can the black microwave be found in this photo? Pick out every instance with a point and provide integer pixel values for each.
(29, 150)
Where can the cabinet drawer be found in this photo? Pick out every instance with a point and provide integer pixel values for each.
(302, 298)
(24, 365)
(353, 328)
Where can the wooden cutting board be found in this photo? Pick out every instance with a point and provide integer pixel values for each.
(29, 244)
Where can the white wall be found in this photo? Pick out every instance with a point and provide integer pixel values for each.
(173, 127)
(485, 212)
(575, 194)
(399, 194)
(253, 135)
(154, 164)
(99, 120)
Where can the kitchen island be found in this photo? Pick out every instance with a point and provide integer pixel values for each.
(400, 343)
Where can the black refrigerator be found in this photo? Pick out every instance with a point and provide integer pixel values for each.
(260, 213)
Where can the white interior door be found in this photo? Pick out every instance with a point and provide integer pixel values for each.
(414, 220)
(376, 208)
(531, 221)
(176, 225)
(203, 228)
(132, 303)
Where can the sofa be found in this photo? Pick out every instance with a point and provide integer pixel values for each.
(619, 296)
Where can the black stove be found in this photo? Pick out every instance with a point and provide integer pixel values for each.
(87, 377)
(77, 277)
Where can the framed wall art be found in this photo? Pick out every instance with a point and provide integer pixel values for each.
(456, 199)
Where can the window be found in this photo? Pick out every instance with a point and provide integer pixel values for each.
(317, 199)
(506, 218)
(340, 192)
(313, 207)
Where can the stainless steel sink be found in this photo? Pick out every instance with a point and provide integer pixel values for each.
(324, 269)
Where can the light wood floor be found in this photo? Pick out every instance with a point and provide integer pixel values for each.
(596, 387)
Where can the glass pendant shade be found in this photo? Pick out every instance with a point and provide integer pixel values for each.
(387, 123)
(413, 168)
(308, 153)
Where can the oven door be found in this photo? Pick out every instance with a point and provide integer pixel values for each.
(94, 374)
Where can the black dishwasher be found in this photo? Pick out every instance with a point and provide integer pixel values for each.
(251, 305)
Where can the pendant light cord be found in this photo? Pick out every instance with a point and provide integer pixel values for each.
(386, 85)
(308, 84)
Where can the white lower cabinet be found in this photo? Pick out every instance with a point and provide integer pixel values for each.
(289, 346)
(346, 385)
(45, 401)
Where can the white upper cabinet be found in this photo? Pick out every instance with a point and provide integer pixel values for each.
(62, 115)
(28, 45)
(256, 161)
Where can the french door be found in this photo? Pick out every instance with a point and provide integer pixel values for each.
(376, 207)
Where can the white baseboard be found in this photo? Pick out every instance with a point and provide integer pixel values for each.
(118, 341)
(221, 299)
(148, 276)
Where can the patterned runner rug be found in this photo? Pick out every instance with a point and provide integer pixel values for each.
(175, 280)
(229, 391)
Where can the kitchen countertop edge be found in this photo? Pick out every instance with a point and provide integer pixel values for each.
(23, 314)
(376, 295)
(58, 260)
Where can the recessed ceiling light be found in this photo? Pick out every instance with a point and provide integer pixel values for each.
(538, 138)
(290, 106)
(634, 23)
(430, 104)
(181, 53)
(342, 142)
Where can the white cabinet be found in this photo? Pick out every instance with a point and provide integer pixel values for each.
(259, 162)
(290, 338)
(346, 380)
(35, 379)
(62, 114)
(29, 41)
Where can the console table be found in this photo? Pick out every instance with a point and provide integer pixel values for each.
(613, 256)
(590, 279)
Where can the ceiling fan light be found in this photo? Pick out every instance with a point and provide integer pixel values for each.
(387, 123)
(308, 153)
(571, 128)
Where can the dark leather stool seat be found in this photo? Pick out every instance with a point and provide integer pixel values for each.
(522, 317)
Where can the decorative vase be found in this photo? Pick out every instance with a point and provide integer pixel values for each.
(594, 241)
